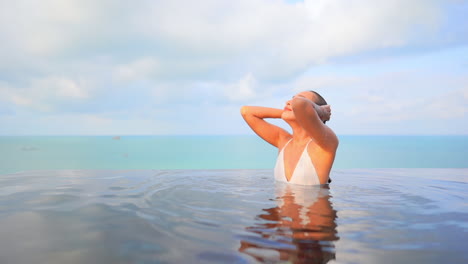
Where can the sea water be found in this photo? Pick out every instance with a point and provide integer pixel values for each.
(219, 152)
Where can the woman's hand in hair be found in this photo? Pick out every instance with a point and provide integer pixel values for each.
(324, 112)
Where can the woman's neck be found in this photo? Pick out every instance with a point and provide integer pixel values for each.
(299, 134)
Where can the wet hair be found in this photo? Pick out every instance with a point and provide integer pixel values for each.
(320, 101)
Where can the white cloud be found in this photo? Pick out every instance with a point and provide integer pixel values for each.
(58, 86)
(43, 94)
(323, 82)
(451, 105)
(104, 56)
(243, 90)
(390, 98)
(19, 100)
(39, 28)
(465, 92)
(8, 95)
(82, 124)
(271, 39)
(139, 69)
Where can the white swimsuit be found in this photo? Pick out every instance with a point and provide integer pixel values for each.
(303, 197)
(304, 173)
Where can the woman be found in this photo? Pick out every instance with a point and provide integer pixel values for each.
(306, 156)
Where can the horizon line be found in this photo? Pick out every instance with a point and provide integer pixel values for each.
(122, 135)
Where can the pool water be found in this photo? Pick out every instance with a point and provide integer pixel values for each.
(233, 216)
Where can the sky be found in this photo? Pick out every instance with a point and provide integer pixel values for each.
(180, 67)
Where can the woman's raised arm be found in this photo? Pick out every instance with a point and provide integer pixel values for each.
(311, 117)
(255, 115)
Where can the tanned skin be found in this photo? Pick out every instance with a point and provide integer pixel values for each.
(306, 119)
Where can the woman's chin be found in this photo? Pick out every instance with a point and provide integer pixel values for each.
(287, 116)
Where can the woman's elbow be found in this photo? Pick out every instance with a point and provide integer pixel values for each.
(244, 110)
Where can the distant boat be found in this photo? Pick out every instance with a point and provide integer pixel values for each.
(28, 148)
(116, 138)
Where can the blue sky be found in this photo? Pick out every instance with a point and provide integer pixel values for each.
(83, 67)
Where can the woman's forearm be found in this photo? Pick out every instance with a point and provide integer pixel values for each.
(299, 104)
(261, 112)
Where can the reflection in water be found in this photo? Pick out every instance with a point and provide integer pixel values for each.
(301, 229)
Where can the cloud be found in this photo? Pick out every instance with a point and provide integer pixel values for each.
(119, 61)
(323, 82)
(390, 98)
(45, 93)
(243, 90)
(270, 39)
(136, 70)
(60, 86)
(451, 105)
(82, 124)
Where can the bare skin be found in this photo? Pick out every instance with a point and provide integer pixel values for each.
(305, 118)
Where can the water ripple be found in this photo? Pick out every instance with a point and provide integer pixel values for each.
(233, 216)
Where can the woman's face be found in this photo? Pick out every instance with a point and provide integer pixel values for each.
(288, 114)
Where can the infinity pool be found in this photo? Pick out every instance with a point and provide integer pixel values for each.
(233, 216)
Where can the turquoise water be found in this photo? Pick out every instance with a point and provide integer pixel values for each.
(219, 152)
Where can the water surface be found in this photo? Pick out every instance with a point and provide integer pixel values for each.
(233, 216)
(23, 153)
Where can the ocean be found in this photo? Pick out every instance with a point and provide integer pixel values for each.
(213, 199)
(23, 153)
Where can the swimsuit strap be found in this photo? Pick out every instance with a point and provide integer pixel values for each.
(286, 144)
(292, 139)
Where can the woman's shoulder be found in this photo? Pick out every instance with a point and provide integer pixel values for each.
(333, 139)
(329, 142)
